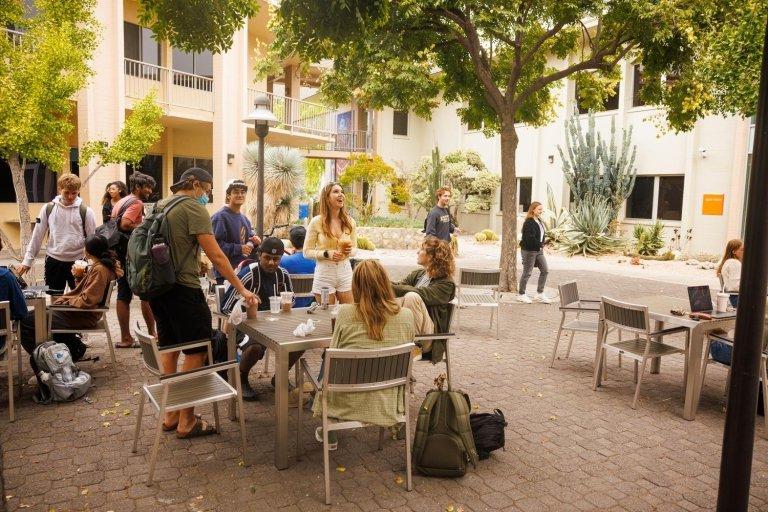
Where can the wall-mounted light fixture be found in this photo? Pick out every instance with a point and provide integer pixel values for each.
(230, 157)
(551, 159)
(703, 152)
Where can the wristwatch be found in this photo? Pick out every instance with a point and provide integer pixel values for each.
(325, 255)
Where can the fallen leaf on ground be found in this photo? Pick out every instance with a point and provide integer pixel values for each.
(126, 412)
(117, 404)
(24, 505)
(106, 424)
(84, 492)
(539, 395)
(253, 488)
(450, 508)
(135, 393)
(241, 463)
(398, 479)
(341, 469)
(8, 496)
(552, 418)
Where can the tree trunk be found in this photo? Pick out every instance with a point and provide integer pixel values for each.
(17, 175)
(509, 243)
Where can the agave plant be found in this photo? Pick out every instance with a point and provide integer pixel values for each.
(283, 177)
(649, 239)
(588, 232)
(555, 220)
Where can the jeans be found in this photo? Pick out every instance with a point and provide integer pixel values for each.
(533, 259)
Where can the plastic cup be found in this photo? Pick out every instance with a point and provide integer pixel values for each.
(252, 312)
(274, 304)
(722, 300)
(286, 301)
(345, 246)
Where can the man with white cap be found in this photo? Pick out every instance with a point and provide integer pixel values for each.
(232, 229)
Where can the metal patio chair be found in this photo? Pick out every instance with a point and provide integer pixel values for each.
(181, 390)
(302, 285)
(570, 303)
(6, 353)
(354, 371)
(102, 326)
(633, 318)
(447, 336)
(478, 279)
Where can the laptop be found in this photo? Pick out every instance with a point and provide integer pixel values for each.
(700, 299)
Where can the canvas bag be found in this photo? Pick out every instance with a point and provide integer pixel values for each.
(60, 378)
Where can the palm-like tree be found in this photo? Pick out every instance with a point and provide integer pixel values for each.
(283, 176)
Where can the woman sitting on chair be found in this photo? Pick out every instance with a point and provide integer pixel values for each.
(729, 270)
(375, 321)
(430, 289)
(90, 292)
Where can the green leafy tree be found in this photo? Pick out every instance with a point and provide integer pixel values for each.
(504, 59)
(141, 130)
(196, 25)
(315, 167)
(371, 170)
(38, 78)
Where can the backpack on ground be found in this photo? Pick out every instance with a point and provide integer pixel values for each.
(148, 263)
(110, 230)
(60, 379)
(488, 432)
(443, 444)
(83, 211)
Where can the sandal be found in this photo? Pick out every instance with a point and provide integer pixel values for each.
(168, 428)
(134, 344)
(201, 428)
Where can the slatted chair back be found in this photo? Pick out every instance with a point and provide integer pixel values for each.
(625, 316)
(149, 354)
(218, 296)
(367, 370)
(722, 282)
(302, 284)
(479, 278)
(108, 294)
(569, 293)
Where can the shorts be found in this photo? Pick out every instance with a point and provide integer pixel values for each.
(182, 315)
(124, 292)
(336, 276)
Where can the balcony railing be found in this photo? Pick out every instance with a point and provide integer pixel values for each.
(357, 141)
(174, 88)
(297, 115)
(14, 36)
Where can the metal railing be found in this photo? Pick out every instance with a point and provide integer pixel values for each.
(357, 141)
(14, 36)
(174, 88)
(297, 115)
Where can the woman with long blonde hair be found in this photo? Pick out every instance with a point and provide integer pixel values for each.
(375, 321)
(332, 240)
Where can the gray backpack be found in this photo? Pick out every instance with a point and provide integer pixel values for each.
(60, 379)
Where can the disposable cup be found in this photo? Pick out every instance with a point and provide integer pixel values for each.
(252, 312)
(722, 302)
(274, 304)
(286, 301)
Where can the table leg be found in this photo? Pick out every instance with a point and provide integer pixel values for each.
(231, 355)
(281, 409)
(598, 366)
(656, 361)
(41, 321)
(693, 382)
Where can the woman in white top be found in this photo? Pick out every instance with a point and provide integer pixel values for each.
(729, 269)
(331, 240)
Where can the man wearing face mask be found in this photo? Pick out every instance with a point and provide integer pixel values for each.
(182, 313)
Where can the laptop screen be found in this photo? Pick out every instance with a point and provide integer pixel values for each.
(700, 298)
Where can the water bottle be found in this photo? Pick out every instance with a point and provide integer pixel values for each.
(160, 253)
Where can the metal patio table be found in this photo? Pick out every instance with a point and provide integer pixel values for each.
(659, 307)
(277, 335)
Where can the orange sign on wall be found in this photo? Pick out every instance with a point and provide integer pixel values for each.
(713, 204)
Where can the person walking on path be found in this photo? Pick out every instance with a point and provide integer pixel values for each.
(130, 210)
(532, 253)
(182, 313)
(114, 192)
(439, 222)
(68, 222)
(332, 240)
(232, 229)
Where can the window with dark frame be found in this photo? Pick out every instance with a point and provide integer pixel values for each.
(400, 123)
(193, 66)
(140, 45)
(39, 181)
(670, 205)
(524, 193)
(182, 163)
(153, 166)
(637, 85)
(640, 201)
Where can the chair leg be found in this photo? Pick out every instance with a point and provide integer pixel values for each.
(408, 475)
(326, 466)
(139, 415)
(156, 445)
(9, 368)
(300, 385)
(109, 338)
(727, 385)
(266, 362)
(19, 373)
(639, 380)
(498, 321)
(570, 344)
(557, 342)
(381, 438)
(619, 352)
(764, 376)
(216, 422)
(241, 415)
(703, 374)
(634, 378)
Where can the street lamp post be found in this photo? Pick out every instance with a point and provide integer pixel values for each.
(261, 117)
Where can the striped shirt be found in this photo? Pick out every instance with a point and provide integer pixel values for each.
(259, 282)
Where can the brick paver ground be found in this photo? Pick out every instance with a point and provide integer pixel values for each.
(568, 448)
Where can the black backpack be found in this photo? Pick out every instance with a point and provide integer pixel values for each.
(83, 213)
(488, 431)
(110, 230)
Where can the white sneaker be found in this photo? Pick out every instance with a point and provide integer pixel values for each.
(540, 297)
(524, 299)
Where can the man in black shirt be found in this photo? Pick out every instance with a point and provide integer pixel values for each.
(439, 222)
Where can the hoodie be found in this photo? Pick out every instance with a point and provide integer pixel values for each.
(65, 232)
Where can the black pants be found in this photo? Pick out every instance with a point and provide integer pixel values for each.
(58, 274)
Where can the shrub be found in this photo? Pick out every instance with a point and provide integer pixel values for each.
(588, 230)
(649, 239)
(454, 245)
(365, 243)
(480, 236)
(490, 235)
(391, 222)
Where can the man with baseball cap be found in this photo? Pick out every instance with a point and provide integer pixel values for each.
(232, 229)
(265, 278)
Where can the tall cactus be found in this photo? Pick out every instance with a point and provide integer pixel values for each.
(594, 167)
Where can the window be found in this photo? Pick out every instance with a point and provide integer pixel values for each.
(637, 84)
(182, 163)
(400, 123)
(609, 103)
(139, 45)
(665, 193)
(524, 192)
(153, 166)
(192, 67)
(40, 182)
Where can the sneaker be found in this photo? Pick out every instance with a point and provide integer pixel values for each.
(540, 297)
(333, 441)
(524, 299)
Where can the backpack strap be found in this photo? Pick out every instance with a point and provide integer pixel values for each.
(83, 213)
(422, 423)
(131, 201)
(461, 407)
